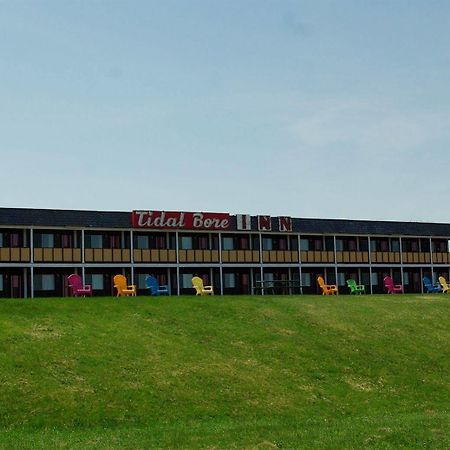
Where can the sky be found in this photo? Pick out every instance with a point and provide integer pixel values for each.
(328, 109)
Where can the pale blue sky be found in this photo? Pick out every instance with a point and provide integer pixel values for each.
(334, 109)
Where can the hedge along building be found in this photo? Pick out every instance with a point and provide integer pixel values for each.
(39, 248)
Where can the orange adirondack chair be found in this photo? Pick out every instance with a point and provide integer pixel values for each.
(200, 289)
(327, 289)
(123, 289)
(444, 284)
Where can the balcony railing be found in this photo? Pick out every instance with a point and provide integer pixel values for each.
(198, 256)
(15, 254)
(352, 257)
(441, 258)
(108, 255)
(155, 255)
(385, 257)
(317, 256)
(240, 256)
(57, 255)
(280, 256)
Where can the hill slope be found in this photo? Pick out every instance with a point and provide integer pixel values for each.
(225, 372)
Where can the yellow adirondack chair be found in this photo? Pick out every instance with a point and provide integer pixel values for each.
(123, 289)
(200, 289)
(445, 286)
(327, 289)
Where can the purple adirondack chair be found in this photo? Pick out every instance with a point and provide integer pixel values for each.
(391, 287)
(76, 285)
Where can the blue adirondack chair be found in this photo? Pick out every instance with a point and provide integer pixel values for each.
(430, 287)
(155, 288)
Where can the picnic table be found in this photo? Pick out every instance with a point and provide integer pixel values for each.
(278, 287)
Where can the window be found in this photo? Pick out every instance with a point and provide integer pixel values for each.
(186, 280)
(339, 245)
(96, 280)
(94, 241)
(395, 245)
(44, 282)
(1, 282)
(186, 243)
(329, 244)
(267, 244)
(142, 242)
(227, 243)
(374, 279)
(47, 240)
(341, 279)
(405, 278)
(363, 244)
(1, 239)
(14, 240)
(140, 281)
(229, 280)
(304, 244)
(306, 279)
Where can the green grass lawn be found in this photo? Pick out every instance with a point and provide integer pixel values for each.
(225, 372)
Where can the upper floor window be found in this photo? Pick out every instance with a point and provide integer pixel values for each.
(141, 241)
(363, 244)
(1, 239)
(304, 245)
(44, 240)
(186, 243)
(395, 245)
(227, 243)
(267, 243)
(94, 241)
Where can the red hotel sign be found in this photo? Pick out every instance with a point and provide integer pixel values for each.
(180, 220)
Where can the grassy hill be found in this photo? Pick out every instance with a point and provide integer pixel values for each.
(225, 372)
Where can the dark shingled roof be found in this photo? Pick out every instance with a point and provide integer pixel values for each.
(13, 217)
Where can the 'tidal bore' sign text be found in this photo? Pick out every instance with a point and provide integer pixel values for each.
(180, 220)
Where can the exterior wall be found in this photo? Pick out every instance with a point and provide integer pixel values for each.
(36, 261)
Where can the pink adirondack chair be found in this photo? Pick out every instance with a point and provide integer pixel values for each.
(76, 285)
(391, 287)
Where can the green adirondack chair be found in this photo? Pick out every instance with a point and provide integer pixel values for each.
(356, 288)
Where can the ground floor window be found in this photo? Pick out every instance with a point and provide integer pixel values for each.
(140, 280)
(341, 279)
(1, 282)
(229, 280)
(96, 281)
(374, 279)
(45, 282)
(306, 279)
(186, 280)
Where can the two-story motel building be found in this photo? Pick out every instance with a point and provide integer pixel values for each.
(39, 248)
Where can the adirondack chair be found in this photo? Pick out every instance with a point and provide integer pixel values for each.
(123, 289)
(445, 286)
(200, 289)
(355, 288)
(155, 287)
(430, 287)
(327, 289)
(392, 288)
(76, 286)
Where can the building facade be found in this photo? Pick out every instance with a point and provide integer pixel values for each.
(39, 248)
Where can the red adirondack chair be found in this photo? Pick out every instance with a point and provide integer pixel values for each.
(76, 285)
(392, 288)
